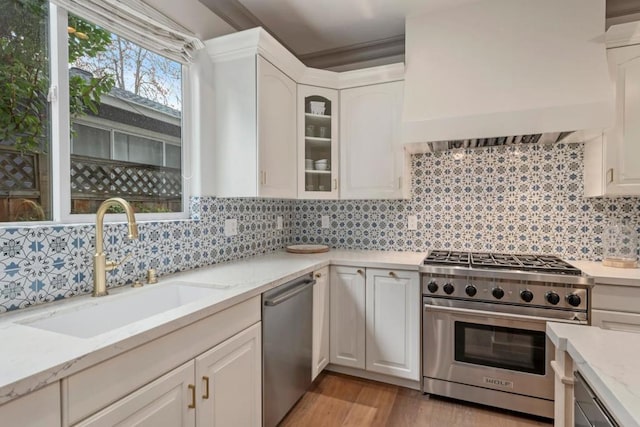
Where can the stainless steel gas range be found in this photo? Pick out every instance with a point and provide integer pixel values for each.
(483, 326)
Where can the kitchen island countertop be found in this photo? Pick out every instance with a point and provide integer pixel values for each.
(608, 360)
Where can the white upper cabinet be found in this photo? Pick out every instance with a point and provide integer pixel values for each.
(270, 141)
(255, 129)
(276, 132)
(317, 143)
(373, 163)
(612, 162)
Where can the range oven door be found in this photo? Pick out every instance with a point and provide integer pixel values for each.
(500, 351)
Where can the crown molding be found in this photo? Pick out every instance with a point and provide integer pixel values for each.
(360, 52)
(238, 16)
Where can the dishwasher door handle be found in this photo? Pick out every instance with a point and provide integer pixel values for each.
(289, 294)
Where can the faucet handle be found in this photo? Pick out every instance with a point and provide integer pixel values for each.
(112, 265)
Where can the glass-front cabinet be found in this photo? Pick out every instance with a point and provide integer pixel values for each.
(318, 143)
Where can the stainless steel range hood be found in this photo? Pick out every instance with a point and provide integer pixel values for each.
(496, 68)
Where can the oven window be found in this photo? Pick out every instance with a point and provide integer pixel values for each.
(499, 347)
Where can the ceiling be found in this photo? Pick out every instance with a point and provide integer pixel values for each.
(335, 33)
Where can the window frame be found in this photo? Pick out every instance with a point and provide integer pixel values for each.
(60, 144)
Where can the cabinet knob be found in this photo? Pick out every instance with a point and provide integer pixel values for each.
(392, 274)
(318, 275)
(359, 271)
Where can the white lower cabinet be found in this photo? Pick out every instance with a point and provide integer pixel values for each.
(321, 307)
(375, 320)
(221, 387)
(347, 296)
(393, 323)
(166, 402)
(208, 373)
(40, 408)
(615, 307)
(231, 379)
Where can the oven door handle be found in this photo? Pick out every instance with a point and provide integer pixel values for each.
(498, 315)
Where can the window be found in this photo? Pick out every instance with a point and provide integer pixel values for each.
(25, 191)
(136, 112)
(124, 109)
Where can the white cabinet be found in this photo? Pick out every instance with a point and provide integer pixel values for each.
(392, 323)
(321, 307)
(616, 307)
(611, 161)
(317, 143)
(375, 320)
(166, 402)
(373, 163)
(40, 408)
(347, 317)
(230, 377)
(276, 132)
(255, 129)
(218, 347)
(221, 387)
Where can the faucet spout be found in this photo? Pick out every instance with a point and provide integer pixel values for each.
(100, 263)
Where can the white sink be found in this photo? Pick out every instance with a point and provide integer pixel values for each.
(106, 314)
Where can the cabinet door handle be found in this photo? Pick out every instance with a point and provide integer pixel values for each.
(206, 387)
(265, 178)
(335, 184)
(610, 176)
(399, 182)
(193, 396)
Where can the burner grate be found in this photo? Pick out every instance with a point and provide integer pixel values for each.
(488, 260)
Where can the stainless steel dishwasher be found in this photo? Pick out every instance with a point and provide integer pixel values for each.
(286, 351)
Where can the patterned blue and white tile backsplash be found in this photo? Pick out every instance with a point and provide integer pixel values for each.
(513, 199)
(525, 199)
(47, 263)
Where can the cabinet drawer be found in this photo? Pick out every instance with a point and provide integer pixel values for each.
(38, 409)
(95, 388)
(616, 298)
(617, 321)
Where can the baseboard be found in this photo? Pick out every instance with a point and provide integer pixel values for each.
(374, 376)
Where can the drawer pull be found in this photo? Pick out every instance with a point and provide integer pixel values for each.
(206, 387)
(192, 405)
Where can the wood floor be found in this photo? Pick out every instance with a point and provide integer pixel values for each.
(341, 400)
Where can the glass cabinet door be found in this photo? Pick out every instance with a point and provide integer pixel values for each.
(317, 151)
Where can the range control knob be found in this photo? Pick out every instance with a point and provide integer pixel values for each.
(526, 295)
(470, 290)
(552, 298)
(448, 288)
(432, 286)
(573, 300)
(498, 293)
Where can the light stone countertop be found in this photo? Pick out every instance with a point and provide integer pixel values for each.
(608, 360)
(31, 357)
(609, 275)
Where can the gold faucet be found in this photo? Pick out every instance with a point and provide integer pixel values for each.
(100, 263)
